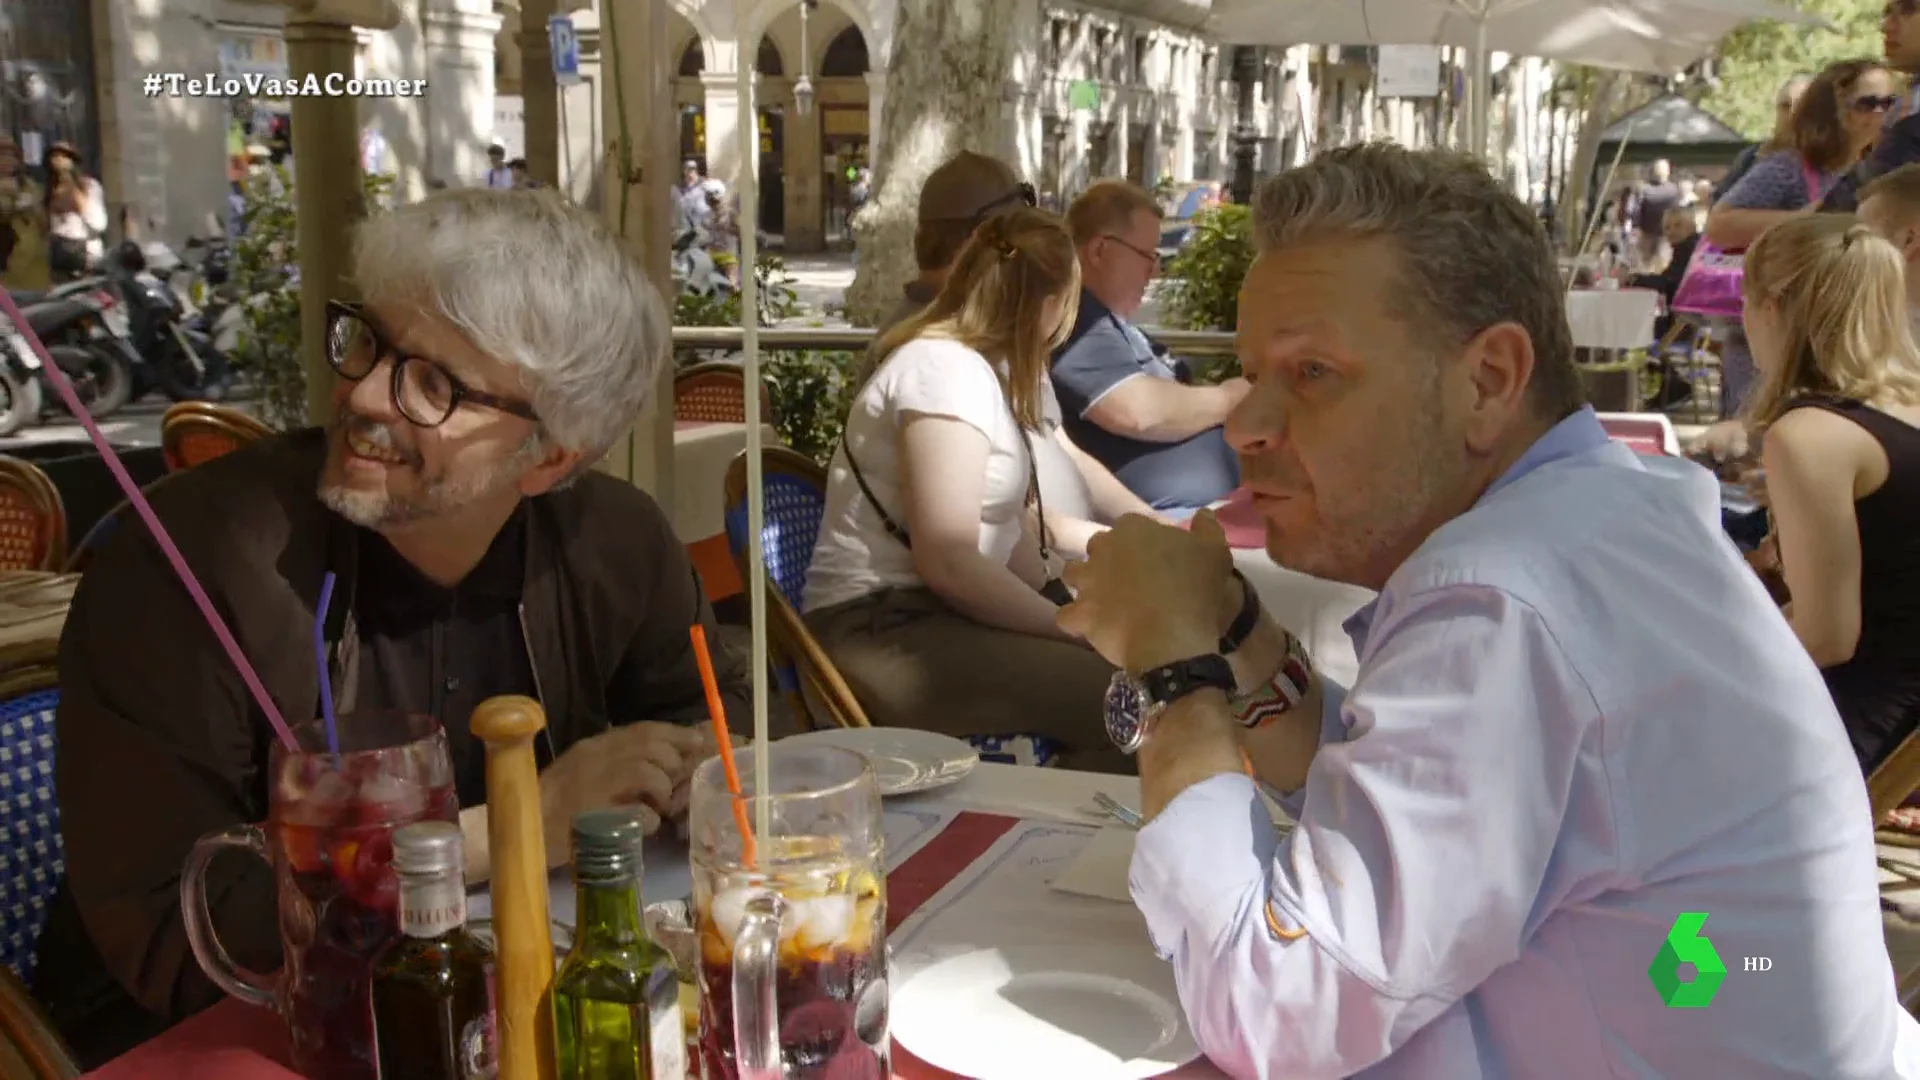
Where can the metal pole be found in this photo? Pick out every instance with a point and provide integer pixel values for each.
(327, 191)
(749, 134)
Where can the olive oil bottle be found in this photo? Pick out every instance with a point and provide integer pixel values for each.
(616, 1000)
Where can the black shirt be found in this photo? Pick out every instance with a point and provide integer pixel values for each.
(426, 648)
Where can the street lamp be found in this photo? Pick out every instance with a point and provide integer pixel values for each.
(803, 86)
(1246, 136)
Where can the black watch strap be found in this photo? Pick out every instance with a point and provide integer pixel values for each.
(1244, 622)
(1166, 685)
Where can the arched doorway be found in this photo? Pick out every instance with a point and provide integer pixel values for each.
(844, 131)
(690, 99)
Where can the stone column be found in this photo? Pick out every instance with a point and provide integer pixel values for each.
(876, 104)
(459, 40)
(402, 53)
(326, 189)
(800, 163)
(540, 97)
(722, 89)
(636, 68)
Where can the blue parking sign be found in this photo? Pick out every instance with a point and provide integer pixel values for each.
(565, 47)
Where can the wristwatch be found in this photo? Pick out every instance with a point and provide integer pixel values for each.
(1133, 703)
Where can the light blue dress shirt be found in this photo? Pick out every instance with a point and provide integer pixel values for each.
(1577, 716)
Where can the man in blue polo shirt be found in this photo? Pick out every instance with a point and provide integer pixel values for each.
(1124, 399)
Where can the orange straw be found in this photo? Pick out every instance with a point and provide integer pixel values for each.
(719, 714)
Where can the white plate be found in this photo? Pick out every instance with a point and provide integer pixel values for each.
(904, 760)
(1089, 1012)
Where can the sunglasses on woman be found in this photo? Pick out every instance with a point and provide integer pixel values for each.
(1875, 103)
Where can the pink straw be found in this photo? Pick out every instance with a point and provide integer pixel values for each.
(139, 501)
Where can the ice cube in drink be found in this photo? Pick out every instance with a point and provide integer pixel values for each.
(830, 987)
(334, 828)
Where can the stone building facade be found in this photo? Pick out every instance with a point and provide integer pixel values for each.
(1163, 106)
(1130, 88)
(168, 157)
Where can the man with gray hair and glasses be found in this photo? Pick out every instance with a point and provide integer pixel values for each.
(1585, 780)
(503, 341)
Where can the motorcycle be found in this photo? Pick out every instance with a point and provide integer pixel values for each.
(181, 362)
(214, 310)
(694, 271)
(80, 328)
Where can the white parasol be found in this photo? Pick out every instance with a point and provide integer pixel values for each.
(1659, 36)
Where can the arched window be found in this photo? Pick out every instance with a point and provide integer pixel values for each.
(846, 55)
(694, 60)
(767, 61)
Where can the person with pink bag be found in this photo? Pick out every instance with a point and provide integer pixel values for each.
(1832, 127)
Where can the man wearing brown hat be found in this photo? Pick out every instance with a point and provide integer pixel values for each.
(957, 197)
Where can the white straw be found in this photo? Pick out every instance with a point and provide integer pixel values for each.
(749, 222)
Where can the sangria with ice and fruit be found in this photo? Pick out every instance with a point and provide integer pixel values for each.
(329, 838)
(796, 936)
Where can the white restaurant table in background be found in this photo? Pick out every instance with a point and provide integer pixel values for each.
(1612, 318)
(701, 454)
(912, 820)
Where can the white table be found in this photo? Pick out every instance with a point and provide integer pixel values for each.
(1612, 318)
(1012, 790)
(701, 454)
(1018, 915)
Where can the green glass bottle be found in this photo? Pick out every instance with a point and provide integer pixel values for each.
(616, 1001)
(432, 996)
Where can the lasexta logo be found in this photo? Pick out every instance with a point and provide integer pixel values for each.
(1685, 944)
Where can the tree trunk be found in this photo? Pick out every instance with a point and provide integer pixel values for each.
(1599, 112)
(951, 60)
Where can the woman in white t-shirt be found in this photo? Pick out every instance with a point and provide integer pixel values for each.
(934, 584)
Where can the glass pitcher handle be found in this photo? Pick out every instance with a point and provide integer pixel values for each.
(249, 986)
(756, 1012)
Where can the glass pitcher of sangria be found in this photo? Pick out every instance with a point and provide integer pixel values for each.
(329, 839)
(793, 955)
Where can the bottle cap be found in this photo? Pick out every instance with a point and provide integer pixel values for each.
(606, 843)
(428, 847)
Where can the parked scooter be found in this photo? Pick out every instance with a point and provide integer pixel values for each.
(694, 271)
(181, 363)
(81, 330)
(212, 307)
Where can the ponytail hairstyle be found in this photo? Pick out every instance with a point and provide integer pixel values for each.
(1837, 291)
(995, 298)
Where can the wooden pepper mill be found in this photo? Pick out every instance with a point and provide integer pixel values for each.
(523, 932)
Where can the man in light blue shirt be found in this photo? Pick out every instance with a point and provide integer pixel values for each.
(1578, 717)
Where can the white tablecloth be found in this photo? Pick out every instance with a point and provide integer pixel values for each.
(1312, 608)
(701, 455)
(1015, 914)
(1612, 318)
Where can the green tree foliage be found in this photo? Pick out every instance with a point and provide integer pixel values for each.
(269, 347)
(1755, 60)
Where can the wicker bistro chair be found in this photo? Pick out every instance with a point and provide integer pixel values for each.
(31, 854)
(715, 393)
(30, 1048)
(796, 496)
(195, 431)
(796, 490)
(33, 520)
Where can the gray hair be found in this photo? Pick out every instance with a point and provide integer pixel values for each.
(535, 282)
(1471, 255)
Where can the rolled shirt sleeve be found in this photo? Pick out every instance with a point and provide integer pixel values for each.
(1424, 833)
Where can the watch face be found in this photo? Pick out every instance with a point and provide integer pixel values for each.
(1126, 711)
